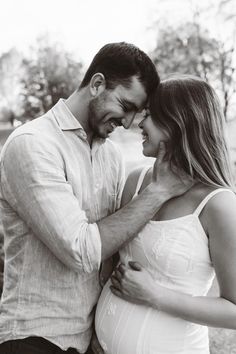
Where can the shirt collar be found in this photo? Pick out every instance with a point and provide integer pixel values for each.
(67, 121)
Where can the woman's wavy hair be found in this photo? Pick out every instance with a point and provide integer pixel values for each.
(188, 110)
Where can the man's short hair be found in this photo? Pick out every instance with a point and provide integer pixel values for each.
(118, 62)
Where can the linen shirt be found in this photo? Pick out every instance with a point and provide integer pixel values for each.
(54, 187)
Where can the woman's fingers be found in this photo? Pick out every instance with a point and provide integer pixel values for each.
(115, 282)
(135, 266)
(121, 268)
(116, 292)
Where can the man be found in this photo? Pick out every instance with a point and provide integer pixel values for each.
(61, 183)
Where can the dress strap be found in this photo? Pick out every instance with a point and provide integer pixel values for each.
(140, 179)
(208, 197)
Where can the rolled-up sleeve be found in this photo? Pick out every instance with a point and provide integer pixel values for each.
(33, 182)
(121, 181)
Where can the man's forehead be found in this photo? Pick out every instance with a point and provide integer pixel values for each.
(135, 93)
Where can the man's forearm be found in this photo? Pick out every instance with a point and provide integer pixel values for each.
(123, 226)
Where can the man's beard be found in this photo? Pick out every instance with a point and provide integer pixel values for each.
(94, 118)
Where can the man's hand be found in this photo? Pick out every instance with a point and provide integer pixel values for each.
(165, 177)
(134, 284)
(95, 345)
(107, 268)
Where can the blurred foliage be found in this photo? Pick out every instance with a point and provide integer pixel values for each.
(11, 71)
(189, 49)
(50, 73)
(186, 50)
(32, 85)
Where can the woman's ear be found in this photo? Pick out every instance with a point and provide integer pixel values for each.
(97, 84)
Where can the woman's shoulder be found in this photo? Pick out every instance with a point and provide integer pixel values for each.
(210, 195)
(221, 200)
(132, 179)
(213, 205)
(132, 182)
(219, 206)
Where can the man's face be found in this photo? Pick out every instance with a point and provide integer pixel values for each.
(117, 107)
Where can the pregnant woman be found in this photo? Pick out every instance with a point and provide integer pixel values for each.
(156, 299)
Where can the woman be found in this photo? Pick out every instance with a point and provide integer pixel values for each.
(159, 304)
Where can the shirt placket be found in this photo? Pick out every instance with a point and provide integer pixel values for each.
(96, 168)
(91, 183)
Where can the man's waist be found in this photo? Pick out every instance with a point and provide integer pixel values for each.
(41, 325)
(68, 336)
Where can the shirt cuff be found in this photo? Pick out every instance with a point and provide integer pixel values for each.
(92, 260)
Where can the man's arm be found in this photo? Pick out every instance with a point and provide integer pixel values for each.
(122, 226)
(33, 182)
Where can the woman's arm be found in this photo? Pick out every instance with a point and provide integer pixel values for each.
(211, 311)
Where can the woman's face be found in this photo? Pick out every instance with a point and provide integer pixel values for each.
(152, 136)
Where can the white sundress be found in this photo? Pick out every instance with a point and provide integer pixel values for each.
(176, 252)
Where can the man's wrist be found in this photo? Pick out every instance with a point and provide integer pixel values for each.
(161, 192)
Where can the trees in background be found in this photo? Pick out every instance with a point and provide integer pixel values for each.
(32, 85)
(51, 73)
(190, 48)
(29, 86)
(11, 72)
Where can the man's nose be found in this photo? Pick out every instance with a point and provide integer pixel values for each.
(128, 120)
(140, 125)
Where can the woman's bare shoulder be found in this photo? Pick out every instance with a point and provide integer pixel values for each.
(223, 202)
(131, 184)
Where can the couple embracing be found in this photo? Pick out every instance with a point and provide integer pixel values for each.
(67, 212)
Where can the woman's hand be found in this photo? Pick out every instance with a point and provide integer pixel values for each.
(135, 284)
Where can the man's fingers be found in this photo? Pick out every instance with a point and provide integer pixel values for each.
(95, 345)
(161, 152)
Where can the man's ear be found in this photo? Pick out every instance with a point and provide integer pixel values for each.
(97, 84)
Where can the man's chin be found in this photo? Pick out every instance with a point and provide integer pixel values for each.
(102, 135)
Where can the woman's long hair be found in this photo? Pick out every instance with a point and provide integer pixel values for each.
(188, 110)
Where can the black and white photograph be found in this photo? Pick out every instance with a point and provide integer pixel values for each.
(118, 177)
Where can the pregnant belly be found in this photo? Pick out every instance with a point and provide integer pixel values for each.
(118, 323)
(125, 328)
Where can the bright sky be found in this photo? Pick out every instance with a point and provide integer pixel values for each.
(83, 26)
